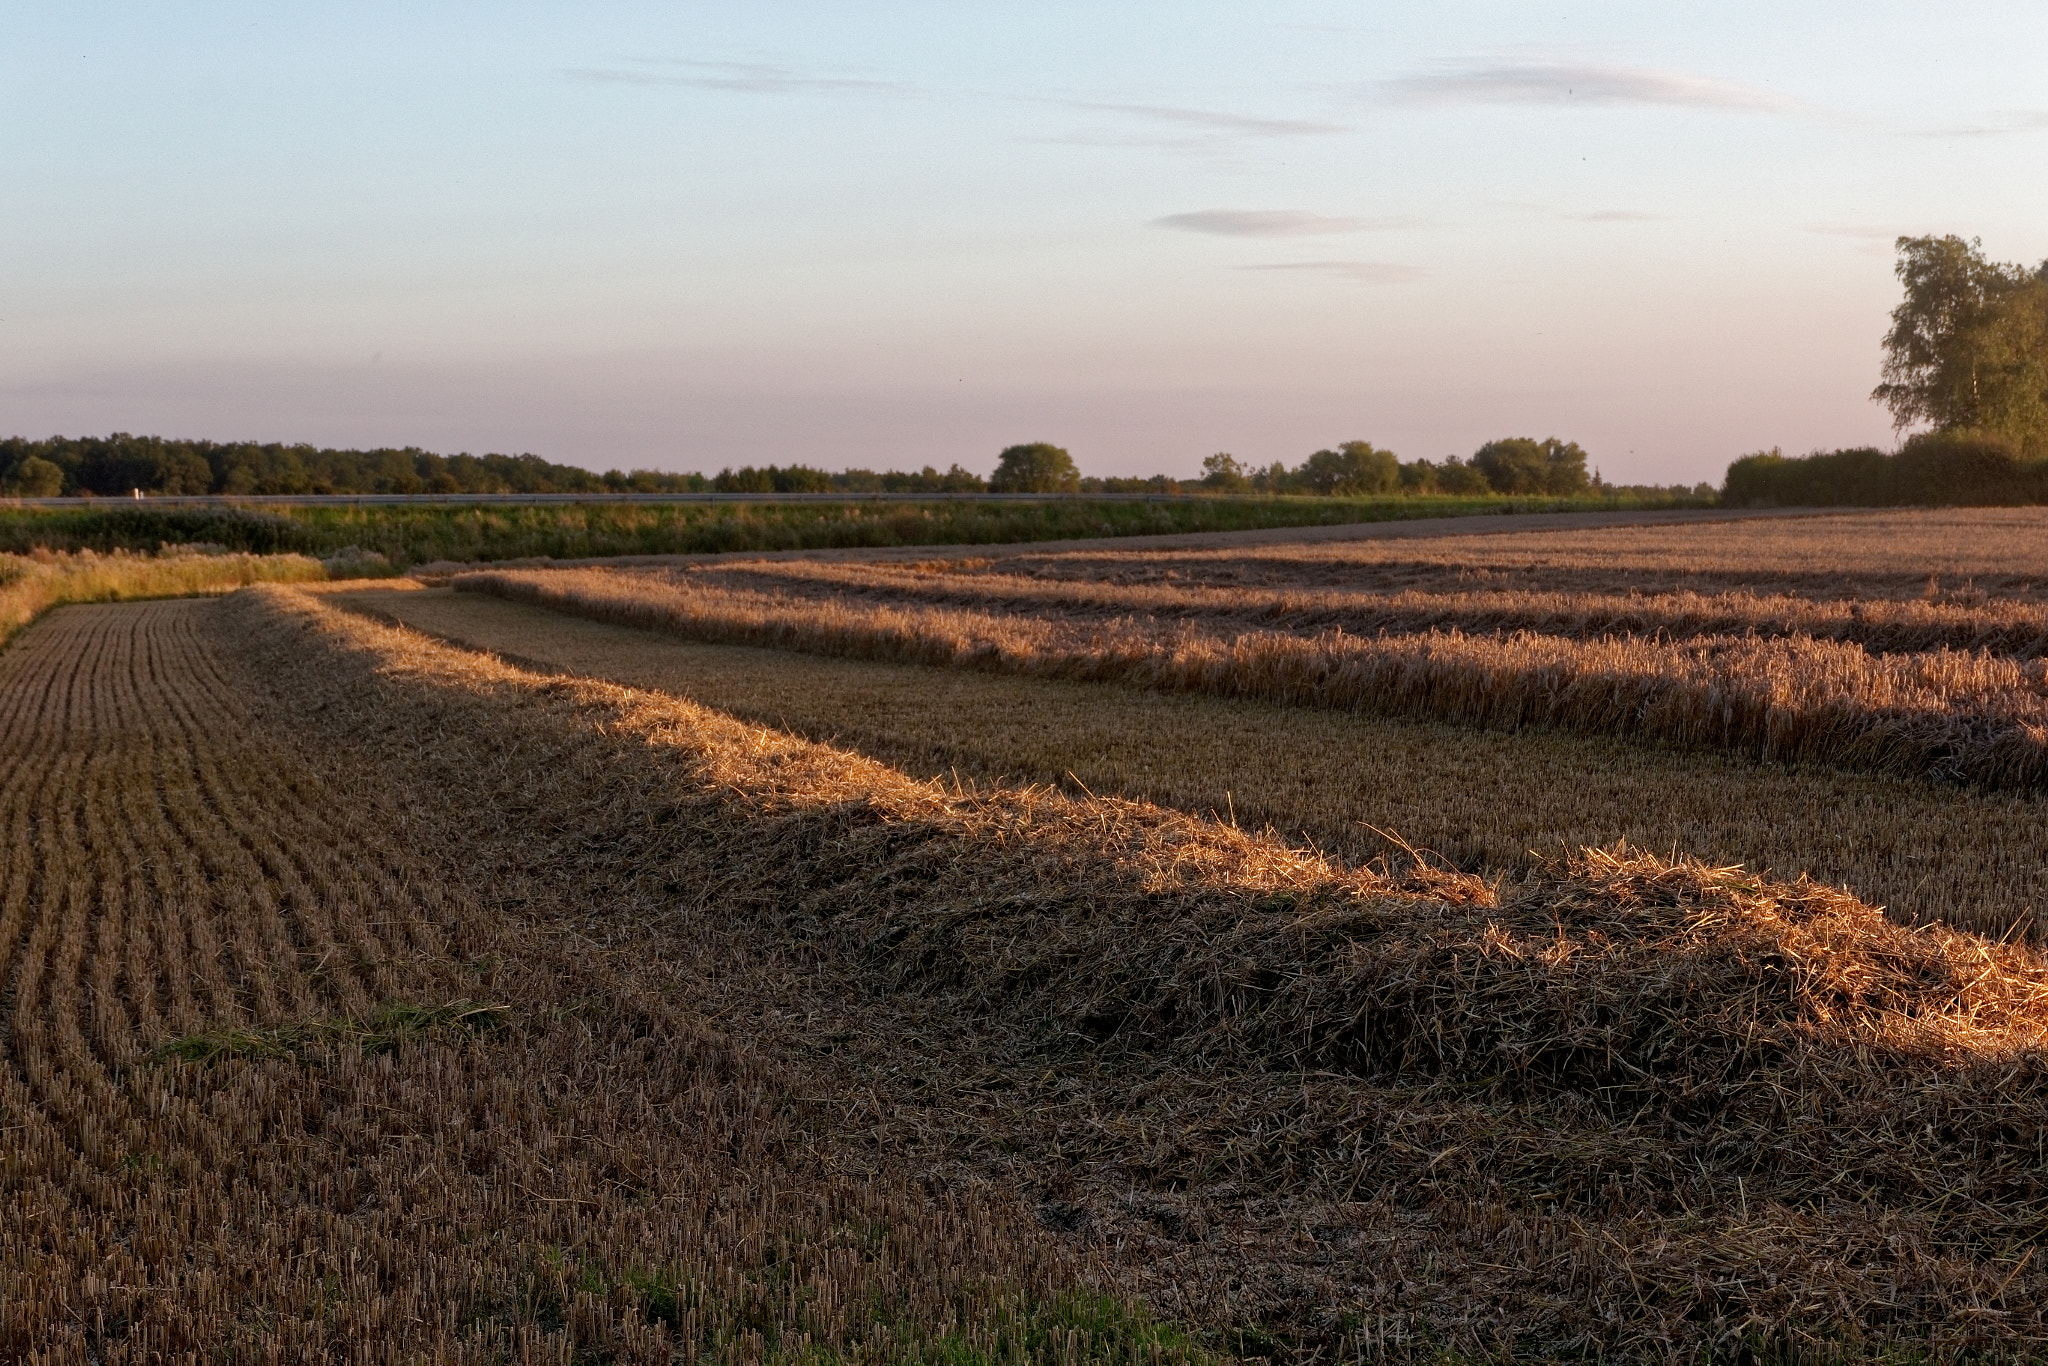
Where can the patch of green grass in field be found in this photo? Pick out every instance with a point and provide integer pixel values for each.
(381, 1033)
(1080, 1325)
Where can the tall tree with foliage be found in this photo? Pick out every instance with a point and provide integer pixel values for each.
(1522, 464)
(1968, 346)
(1353, 469)
(1035, 468)
(1223, 473)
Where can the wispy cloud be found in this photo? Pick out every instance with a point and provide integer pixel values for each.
(1557, 82)
(750, 78)
(1185, 129)
(1613, 216)
(1276, 223)
(2002, 124)
(1220, 122)
(1870, 241)
(1357, 272)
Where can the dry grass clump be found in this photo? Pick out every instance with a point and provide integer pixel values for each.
(1483, 799)
(32, 584)
(224, 1140)
(1627, 1107)
(1959, 715)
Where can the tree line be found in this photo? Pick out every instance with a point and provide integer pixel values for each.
(1967, 359)
(117, 465)
(1512, 465)
(114, 466)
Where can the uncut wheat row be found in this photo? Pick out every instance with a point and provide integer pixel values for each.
(1962, 715)
(32, 584)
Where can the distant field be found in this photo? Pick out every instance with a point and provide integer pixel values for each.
(396, 972)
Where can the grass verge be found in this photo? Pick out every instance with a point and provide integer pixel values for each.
(408, 535)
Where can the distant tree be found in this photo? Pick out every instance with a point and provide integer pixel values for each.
(1521, 464)
(1156, 483)
(1035, 468)
(1222, 473)
(1453, 476)
(1275, 478)
(1968, 346)
(1353, 469)
(772, 479)
(654, 481)
(930, 480)
(35, 477)
(745, 479)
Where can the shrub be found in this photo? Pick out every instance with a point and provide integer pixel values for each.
(1956, 468)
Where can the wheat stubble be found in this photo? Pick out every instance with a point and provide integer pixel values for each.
(313, 1177)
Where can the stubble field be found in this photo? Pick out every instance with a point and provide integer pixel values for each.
(1085, 957)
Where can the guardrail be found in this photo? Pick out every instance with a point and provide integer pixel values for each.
(181, 500)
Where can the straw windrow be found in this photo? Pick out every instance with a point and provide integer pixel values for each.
(1651, 1067)
(1967, 716)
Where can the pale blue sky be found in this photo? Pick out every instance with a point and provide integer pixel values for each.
(688, 235)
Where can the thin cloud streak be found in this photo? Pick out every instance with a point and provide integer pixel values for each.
(1581, 83)
(1219, 122)
(1869, 241)
(1857, 230)
(1357, 272)
(1614, 216)
(2007, 123)
(750, 78)
(1276, 223)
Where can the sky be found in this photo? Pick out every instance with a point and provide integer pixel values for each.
(685, 235)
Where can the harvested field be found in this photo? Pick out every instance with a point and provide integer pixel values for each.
(792, 1044)
(1483, 800)
(1882, 626)
(1897, 554)
(283, 1082)
(1962, 715)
